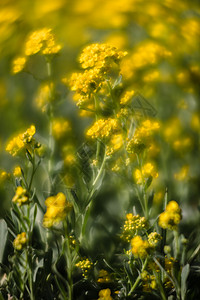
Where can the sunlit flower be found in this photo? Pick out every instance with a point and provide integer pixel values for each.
(20, 241)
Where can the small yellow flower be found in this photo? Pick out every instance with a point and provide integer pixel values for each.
(57, 209)
(17, 172)
(60, 127)
(18, 64)
(21, 196)
(85, 265)
(105, 294)
(154, 238)
(148, 171)
(139, 247)
(171, 217)
(20, 241)
(132, 225)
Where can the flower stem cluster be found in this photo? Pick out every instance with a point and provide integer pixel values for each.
(85, 265)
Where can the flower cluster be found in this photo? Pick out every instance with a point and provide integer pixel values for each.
(103, 276)
(60, 127)
(171, 217)
(100, 56)
(142, 136)
(20, 241)
(57, 209)
(105, 294)
(85, 265)
(43, 96)
(17, 172)
(149, 282)
(126, 97)
(43, 41)
(39, 41)
(132, 225)
(21, 196)
(103, 128)
(146, 174)
(21, 141)
(139, 247)
(154, 238)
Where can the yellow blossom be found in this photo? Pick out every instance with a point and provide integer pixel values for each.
(154, 238)
(20, 241)
(127, 97)
(85, 265)
(18, 64)
(105, 294)
(139, 247)
(171, 217)
(132, 225)
(103, 128)
(41, 40)
(21, 196)
(60, 127)
(146, 173)
(57, 209)
(17, 172)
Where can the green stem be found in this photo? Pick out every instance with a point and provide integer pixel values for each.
(138, 278)
(68, 256)
(176, 241)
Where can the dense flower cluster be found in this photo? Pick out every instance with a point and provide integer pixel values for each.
(21, 141)
(41, 40)
(149, 281)
(132, 225)
(154, 238)
(147, 173)
(17, 172)
(171, 217)
(85, 265)
(139, 247)
(100, 56)
(21, 196)
(126, 97)
(105, 294)
(142, 136)
(57, 209)
(20, 241)
(103, 276)
(103, 128)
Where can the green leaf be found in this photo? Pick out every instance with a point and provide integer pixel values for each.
(3, 238)
(117, 81)
(184, 275)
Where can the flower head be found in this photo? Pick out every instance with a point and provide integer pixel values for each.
(139, 247)
(57, 209)
(21, 196)
(20, 241)
(171, 217)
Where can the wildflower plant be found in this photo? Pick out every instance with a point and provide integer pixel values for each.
(89, 212)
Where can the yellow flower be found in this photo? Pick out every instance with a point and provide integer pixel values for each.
(171, 217)
(18, 64)
(21, 196)
(103, 276)
(139, 247)
(100, 56)
(17, 172)
(85, 265)
(41, 40)
(103, 128)
(60, 127)
(20, 141)
(57, 209)
(154, 238)
(20, 241)
(148, 171)
(132, 225)
(105, 294)
(127, 97)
